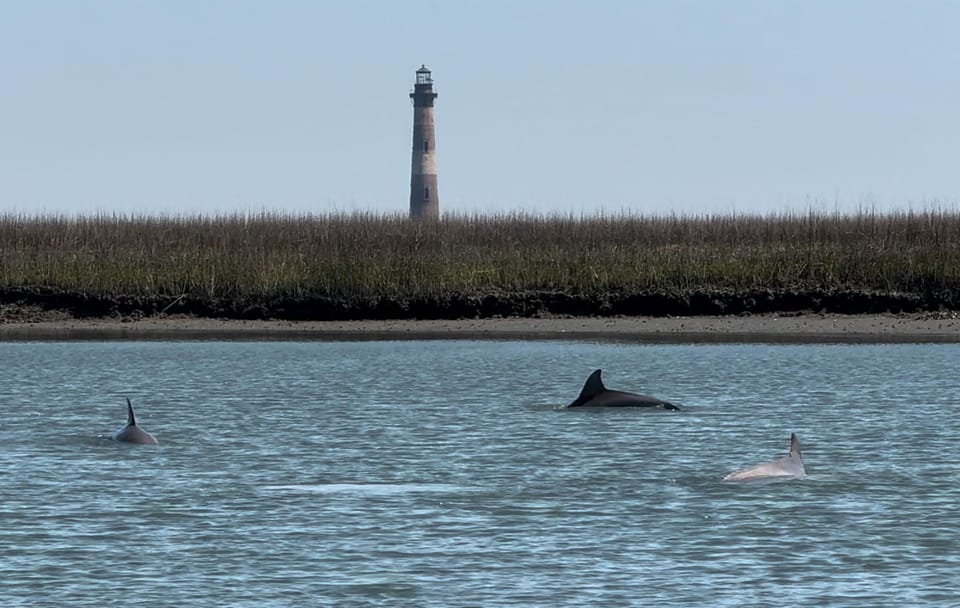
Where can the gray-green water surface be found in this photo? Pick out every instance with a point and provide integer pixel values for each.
(442, 473)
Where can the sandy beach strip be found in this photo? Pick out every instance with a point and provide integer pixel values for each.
(933, 328)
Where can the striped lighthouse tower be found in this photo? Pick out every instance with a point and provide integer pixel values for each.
(424, 198)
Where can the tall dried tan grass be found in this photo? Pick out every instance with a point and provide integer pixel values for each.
(368, 255)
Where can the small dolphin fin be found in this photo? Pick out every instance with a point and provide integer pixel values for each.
(131, 419)
(592, 387)
(795, 446)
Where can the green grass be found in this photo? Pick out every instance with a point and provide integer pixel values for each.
(369, 256)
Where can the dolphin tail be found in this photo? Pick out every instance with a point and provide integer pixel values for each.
(131, 419)
(591, 388)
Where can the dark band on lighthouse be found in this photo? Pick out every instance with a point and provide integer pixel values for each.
(424, 198)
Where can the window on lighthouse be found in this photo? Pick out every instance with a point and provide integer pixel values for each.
(426, 146)
(426, 194)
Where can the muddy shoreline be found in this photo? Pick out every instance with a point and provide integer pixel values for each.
(851, 329)
(39, 314)
(19, 303)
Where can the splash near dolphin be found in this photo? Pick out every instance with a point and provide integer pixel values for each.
(131, 433)
(595, 394)
(789, 467)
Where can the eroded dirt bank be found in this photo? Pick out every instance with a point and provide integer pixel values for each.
(37, 304)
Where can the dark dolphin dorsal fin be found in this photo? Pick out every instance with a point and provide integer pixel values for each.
(795, 446)
(592, 387)
(131, 419)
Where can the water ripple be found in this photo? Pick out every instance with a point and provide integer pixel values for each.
(443, 473)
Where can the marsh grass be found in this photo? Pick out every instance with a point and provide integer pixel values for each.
(360, 256)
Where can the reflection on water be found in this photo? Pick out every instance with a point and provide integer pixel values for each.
(446, 473)
(369, 489)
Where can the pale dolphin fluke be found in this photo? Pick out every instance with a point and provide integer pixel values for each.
(789, 467)
(131, 433)
(595, 394)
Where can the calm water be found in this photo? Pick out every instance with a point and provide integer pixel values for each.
(442, 474)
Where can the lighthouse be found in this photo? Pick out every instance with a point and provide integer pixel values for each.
(424, 198)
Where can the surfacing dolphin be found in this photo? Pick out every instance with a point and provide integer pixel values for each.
(131, 433)
(595, 394)
(790, 467)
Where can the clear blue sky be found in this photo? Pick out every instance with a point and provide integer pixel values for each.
(568, 106)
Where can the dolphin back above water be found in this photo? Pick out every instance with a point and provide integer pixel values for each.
(131, 433)
(595, 394)
(790, 467)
